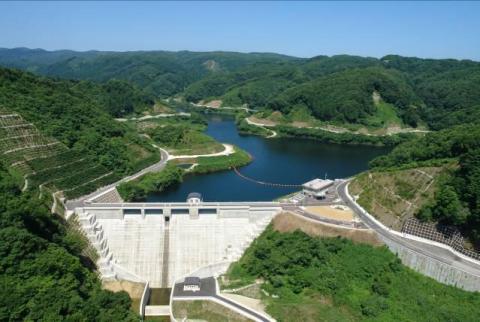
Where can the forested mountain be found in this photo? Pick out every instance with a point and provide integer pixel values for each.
(162, 73)
(437, 93)
(39, 255)
(45, 275)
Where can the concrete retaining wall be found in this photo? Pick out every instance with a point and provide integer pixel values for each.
(433, 268)
(424, 264)
(144, 300)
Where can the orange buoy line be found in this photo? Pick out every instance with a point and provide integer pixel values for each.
(266, 183)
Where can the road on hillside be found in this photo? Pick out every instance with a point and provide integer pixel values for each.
(72, 204)
(208, 288)
(432, 251)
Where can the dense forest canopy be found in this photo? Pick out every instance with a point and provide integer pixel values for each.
(44, 274)
(333, 279)
(437, 92)
(162, 73)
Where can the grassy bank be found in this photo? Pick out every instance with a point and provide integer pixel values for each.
(333, 279)
(137, 190)
(244, 128)
(225, 162)
(287, 130)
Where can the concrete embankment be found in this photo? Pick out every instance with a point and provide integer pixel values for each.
(429, 258)
(433, 268)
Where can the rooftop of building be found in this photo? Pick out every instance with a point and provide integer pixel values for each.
(194, 195)
(318, 184)
(192, 280)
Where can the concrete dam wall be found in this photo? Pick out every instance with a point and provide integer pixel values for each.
(433, 268)
(161, 246)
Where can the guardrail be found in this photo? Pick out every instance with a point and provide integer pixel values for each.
(408, 236)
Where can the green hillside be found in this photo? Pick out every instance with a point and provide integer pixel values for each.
(437, 93)
(332, 279)
(161, 73)
(45, 273)
(347, 96)
(449, 160)
(59, 134)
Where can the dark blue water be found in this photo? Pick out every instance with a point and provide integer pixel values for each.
(288, 161)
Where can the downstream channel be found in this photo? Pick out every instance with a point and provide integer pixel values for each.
(283, 160)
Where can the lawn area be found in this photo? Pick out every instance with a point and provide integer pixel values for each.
(225, 162)
(183, 140)
(206, 311)
(385, 116)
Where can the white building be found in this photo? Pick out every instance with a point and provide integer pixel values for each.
(192, 284)
(317, 188)
(194, 198)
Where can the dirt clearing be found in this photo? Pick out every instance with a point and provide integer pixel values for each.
(288, 222)
(333, 212)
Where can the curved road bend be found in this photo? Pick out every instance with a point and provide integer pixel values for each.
(432, 251)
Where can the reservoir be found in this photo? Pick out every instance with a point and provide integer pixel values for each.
(282, 160)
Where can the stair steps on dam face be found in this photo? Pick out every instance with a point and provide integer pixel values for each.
(95, 234)
(137, 245)
(140, 245)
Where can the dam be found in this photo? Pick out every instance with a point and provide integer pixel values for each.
(160, 242)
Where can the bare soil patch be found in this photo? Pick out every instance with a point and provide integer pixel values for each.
(161, 108)
(265, 122)
(288, 222)
(212, 104)
(333, 212)
(134, 290)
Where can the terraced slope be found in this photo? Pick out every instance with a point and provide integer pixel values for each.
(58, 134)
(21, 141)
(396, 196)
(45, 162)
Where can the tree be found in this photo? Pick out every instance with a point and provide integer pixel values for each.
(448, 207)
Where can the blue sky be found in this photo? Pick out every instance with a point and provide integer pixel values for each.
(305, 29)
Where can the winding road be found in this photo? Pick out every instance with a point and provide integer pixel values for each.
(438, 253)
(263, 126)
(164, 158)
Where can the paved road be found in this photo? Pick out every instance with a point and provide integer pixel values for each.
(243, 308)
(80, 202)
(432, 251)
(208, 288)
(154, 205)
